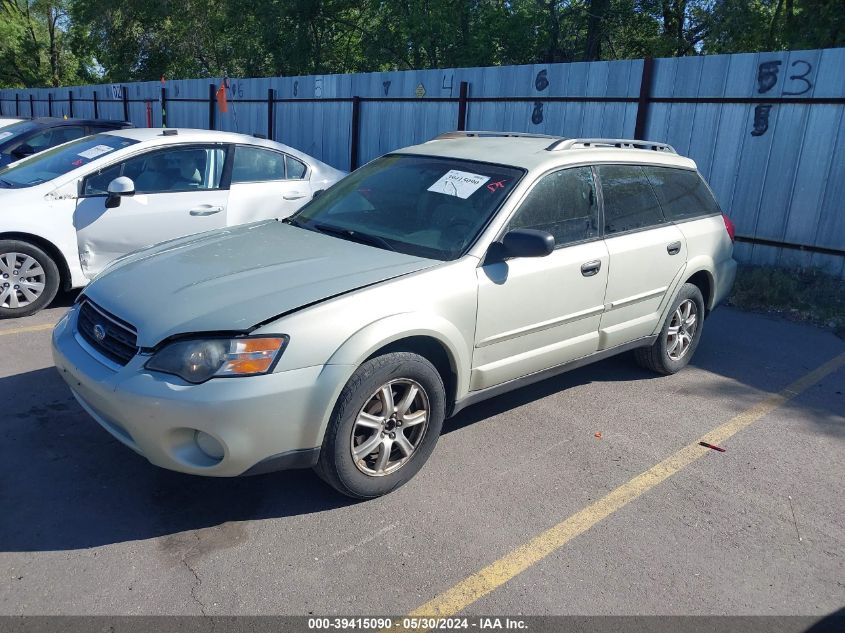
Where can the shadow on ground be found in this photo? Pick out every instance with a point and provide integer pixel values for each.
(66, 484)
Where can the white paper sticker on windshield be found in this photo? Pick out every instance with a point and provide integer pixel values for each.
(5, 135)
(459, 183)
(97, 150)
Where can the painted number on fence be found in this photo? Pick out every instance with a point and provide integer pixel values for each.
(767, 78)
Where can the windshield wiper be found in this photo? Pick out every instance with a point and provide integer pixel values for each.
(5, 184)
(354, 236)
(293, 222)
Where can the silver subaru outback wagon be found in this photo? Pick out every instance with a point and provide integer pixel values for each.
(430, 279)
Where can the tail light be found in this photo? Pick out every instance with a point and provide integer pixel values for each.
(729, 226)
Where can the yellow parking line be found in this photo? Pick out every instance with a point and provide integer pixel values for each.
(456, 599)
(31, 328)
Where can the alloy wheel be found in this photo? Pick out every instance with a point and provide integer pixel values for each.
(390, 427)
(682, 329)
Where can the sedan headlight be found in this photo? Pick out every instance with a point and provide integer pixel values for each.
(198, 360)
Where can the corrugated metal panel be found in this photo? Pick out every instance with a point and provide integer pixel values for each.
(778, 169)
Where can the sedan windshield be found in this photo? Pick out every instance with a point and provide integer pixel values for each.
(419, 205)
(60, 160)
(11, 132)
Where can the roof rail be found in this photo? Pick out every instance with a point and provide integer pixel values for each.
(622, 143)
(478, 133)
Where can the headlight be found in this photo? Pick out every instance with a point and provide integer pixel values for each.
(200, 359)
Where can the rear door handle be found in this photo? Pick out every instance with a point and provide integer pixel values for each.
(589, 269)
(674, 248)
(205, 209)
(293, 195)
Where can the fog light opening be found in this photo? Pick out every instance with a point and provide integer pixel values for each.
(208, 445)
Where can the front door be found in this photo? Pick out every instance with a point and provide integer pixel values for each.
(177, 193)
(647, 255)
(537, 313)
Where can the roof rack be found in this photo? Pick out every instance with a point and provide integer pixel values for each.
(622, 143)
(477, 133)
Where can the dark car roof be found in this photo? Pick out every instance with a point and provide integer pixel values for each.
(54, 121)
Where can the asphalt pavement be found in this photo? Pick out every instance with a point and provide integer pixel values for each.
(88, 527)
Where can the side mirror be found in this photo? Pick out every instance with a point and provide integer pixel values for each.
(527, 243)
(119, 187)
(23, 151)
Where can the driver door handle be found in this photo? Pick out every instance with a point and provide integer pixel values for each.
(591, 268)
(205, 209)
(293, 195)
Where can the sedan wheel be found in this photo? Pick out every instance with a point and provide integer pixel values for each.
(29, 278)
(389, 427)
(22, 280)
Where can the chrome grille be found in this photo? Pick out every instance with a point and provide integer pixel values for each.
(111, 337)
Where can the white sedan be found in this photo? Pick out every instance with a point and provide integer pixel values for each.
(68, 212)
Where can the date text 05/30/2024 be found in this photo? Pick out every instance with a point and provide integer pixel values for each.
(420, 624)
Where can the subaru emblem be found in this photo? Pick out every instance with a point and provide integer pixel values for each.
(99, 332)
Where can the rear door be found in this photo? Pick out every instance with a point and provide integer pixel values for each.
(647, 255)
(536, 313)
(266, 184)
(178, 192)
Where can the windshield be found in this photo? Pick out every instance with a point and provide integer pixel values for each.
(60, 160)
(10, 132)
(418, 205)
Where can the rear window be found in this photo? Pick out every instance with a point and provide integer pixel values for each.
(682, 193)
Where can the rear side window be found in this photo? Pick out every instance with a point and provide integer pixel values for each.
(563, 204)
(682, 193)
(629, 200)
(296, 169)
(253, 164)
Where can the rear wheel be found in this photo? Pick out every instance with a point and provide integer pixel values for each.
(679, 338)
(29, 279)
(384, 426)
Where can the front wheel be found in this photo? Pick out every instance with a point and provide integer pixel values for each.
(384, 426)
(29, 279)
(679, 338)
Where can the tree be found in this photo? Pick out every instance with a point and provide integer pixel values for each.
(597, 17)
(34, 44)
(44, 42)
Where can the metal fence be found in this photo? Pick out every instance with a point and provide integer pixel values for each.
(766, 129)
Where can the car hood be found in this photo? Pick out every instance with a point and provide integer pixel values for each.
(234, 279)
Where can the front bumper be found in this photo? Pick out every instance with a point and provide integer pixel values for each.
(262, 422)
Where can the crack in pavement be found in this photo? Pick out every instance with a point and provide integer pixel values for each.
(197, 579)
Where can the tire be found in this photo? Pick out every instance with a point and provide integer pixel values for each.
(359, 422)
(34, 291)
(665, 356)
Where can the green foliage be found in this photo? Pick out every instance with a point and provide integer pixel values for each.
(67, 41)
(806, 295)
(34, 45)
